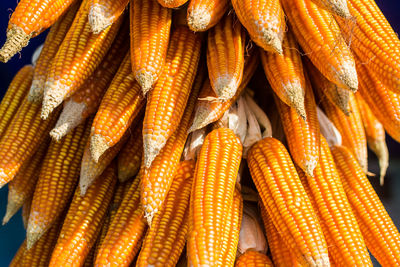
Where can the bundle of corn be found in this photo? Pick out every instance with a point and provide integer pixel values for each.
(147, 156)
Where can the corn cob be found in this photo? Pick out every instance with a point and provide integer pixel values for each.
(375, 134)
(253, 258)
(373, 40)
(119, 107)
(103, 13)
(53, 41)
(24, 135)
(15, 95)
(350, 127)
(211, 198)
(57, 180)
(26, 209)
(130, 157)
(264, 20)
(285, 74)
(153, 191)
(210, 110)
(83, 219)
(150, 30)
(30, 18)
(286, 201)
(204, 14)
(124, 235)
(319, 35)
(225, 57)
(166, 238)
(337, 95)
(18, 257)
(89, 261)
(337, 7)
(21, 188)
(85, 101)
(166, 102)
(380, 234)
(345, 241)
(78, 56)
(172, 3)
(302, 135)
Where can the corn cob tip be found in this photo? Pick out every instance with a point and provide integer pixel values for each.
(151, 148)
(54, 94)
(200, 120)
(98, 145)
(271, 38)
(35, 94)
(70, 117)
(16, 40)
(33, 234)
(145, 79)
(296, 98)
(347, 74)
(310, 165)
(381, 151)
(149, 215)
(198, 19)
(341, 9)
(225, 88)
(11, 209)
(97, 17)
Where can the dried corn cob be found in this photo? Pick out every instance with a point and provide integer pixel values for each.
(211, 197)
(103, 13)
(53, 41)
(150, 30)
(225, 57)
(26, 210)
(264, 20)
(81, 224)
(21, 188)
(253, 258)
(375, 134)
(85, 101)
(166, 102)
(319, 35)
(130, 157)
(380, 234)
(345, 241)
(78, 56)
(286, 201)
(204, 14)
(15, 95)
(166, 238)
(337, 7)
(124, 235)
(30, 18)
(24, 135)
(120, 105)
(172, 3)
(18, 257)
(285, 74)
(57, 180)
(302, 135)
(373, 40)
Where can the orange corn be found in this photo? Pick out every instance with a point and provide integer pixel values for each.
(85, 101)
(30, 18)
(350, 127)
(302, 135)
(52, 43)
(337, 7)
(78, 56)
(130, 157)
(264, 20)
(212, 195)
(285, 74)
(374, 41)
(225, 57)
(166, 237)
(18, 257)
(345, 241)
(204, 14)
(124, 235)
(119, 107)
(375, 134)
(172, 3)
(24, 135)
(286, 201)
(150, 30)
(319, 35)
(103, 13)
(21, 188)
(337, 95)
(208, 108)
(380, 234)
(57, 180)
(15, 95)
(253, 258)
(166, 102)
(82, 222)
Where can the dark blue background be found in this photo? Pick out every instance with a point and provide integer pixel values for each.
(12, 234)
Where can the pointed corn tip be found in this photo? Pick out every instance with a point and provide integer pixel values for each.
(98, 145)
(54, 94)
(58, 133)
(149, 216)
(225, 88)
(309, 167)
(200, 120)
(271, 41)
(98, 20)
(35, 94)
(11, 209)
(16, 40)
(198, 19)
(70, 117)
(347, 75)
(151, 148)
(33, 234)
(145, 79)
